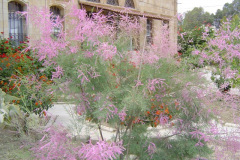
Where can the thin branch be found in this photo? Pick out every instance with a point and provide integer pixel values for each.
(170, 136)
(118, 132)
(100, 130)
(129, 125)
(140, 68)
(129, 141)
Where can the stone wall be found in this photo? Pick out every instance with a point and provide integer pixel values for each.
(167, 9)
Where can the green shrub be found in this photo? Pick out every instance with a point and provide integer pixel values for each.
(21, 75)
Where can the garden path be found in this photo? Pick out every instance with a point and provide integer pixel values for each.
(77, 124)
(86, 130)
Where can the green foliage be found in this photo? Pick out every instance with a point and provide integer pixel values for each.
(206, 46)
(7, 109)
(234, 23)
(10, 146)
(22, 76)
(197, 17)
(229, 10)
(192, 40)
(116, 87)
(233, 63)
(132, 91)
(180, 148)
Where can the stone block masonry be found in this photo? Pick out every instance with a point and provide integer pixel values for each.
(159, 12)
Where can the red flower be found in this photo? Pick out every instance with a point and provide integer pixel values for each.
(158, 112)
(3, 55)
(113, 66)
(2, 32)
(166, 111)
(45, 113)
(6, 41)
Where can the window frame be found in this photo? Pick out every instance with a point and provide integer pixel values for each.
(95, 1)
(129, 4)
(149, 31)
(113, 2)
(16, 23)
(56, 11)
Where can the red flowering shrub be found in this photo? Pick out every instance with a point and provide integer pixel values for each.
(17, 70)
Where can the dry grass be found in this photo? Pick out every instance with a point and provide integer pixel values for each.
(11, 147)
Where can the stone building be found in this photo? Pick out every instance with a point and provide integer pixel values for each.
(157, 13)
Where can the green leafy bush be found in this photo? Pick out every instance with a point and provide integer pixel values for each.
(21, 75)
(7, 108)
(194, 39)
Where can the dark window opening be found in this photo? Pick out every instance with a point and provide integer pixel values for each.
(129, 3)
(97, 1)
(17, 23)
(149, 31)
(56, 12)
(113, 2)
(166, 22)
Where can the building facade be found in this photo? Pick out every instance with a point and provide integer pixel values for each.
(156, 12)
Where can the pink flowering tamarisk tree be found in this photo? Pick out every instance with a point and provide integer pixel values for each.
(220, 51)
(156, 106)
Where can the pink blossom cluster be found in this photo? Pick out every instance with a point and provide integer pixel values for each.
(156, 84)
(101, 150)
(56, 144)
(151, 149)
(106, 51)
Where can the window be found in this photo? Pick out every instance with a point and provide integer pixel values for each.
(129, 3)
(149, 31)
(97, 1)
(113, 2)
(56, 12)
(166, 22)
(16, 22)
